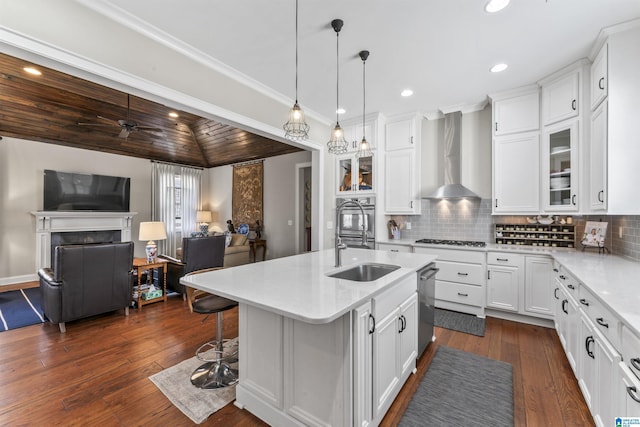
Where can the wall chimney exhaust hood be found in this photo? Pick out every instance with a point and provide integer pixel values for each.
(452, 189)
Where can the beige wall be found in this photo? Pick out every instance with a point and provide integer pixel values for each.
(22, 164)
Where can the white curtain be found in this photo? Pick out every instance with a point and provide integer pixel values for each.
(163, 202)
(191, 179)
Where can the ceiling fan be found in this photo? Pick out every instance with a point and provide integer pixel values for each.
(126, 125)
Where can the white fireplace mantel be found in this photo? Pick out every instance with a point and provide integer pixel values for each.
(48, 222)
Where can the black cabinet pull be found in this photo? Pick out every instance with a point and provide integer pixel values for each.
(631, 392)
(600, 194)
(573, 288)
(556, 270)
(584, 302)
(573, 105)
(562, 277)
(636, 363)
(588, 342)
(573, 200)
(502, 259)
(372, 324)
(555, 293)
(403, 323)
(496, 126)
(601, 322)
(601, 83)
(496, 203)
(463, 295)
(564, 306)
(463, 274)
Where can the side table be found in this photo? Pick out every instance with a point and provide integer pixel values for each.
(141, 264)
(258, 243)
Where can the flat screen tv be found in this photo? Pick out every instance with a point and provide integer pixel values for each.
(66, 191)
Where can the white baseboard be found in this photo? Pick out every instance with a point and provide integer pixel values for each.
(5, 281)
(516, 317)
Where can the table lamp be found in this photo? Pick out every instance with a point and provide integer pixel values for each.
(203, 218)
(150, 231)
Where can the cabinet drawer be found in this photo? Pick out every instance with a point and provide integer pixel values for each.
(393, 248)
(468, 256)
(570, 284)
(457, 292)
(601, 316)
(631, 350)
(472, 274)
(501, 258)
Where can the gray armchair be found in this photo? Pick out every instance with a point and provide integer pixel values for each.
(198, 253)
(87, 280)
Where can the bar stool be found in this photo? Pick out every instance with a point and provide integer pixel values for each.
(216, 372)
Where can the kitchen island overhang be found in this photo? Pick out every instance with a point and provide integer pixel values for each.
(307, 342)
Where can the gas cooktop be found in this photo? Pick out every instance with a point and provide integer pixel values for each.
(453, 242)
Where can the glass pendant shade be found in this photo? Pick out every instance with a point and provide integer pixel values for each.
(337, 144)
(296, 128)
(364, 149)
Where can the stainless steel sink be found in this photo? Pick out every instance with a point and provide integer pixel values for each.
(365, 272)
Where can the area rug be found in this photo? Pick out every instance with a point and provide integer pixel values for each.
(460, 322)
(462, 389)
(195, 403)
(20, 308)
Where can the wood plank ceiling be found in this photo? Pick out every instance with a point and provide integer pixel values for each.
(48, 108)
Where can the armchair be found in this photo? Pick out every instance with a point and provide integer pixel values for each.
(86, 280)
(197, 253)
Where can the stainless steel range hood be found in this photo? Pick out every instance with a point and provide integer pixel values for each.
(452, 189)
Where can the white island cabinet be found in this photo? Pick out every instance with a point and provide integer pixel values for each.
(316, 350)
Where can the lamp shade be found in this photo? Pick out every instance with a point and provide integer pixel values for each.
(153, 230)
(203, 216)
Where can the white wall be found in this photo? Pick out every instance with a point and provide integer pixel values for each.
(22, 165)
(279, 194)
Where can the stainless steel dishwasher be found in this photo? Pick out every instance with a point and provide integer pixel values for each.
(426, 301)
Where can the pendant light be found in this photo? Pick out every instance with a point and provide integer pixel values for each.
(364, 150)
(296, 129)
(337, 143)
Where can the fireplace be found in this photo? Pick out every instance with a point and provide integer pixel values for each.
(57, 227)
(83, 237)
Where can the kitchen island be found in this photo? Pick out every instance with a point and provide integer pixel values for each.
(317, 350)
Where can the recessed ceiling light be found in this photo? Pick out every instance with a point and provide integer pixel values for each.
(173, 114)
(341, 111)
(494, 6)
(407, 92)
(499, 67)
(32, 70)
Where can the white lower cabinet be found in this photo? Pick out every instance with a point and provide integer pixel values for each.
(503, 283)
(628, 392)
(393, 247)
(363, 365)
(395, 343)
(537, 281)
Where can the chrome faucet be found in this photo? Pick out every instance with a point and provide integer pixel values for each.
(339, 244)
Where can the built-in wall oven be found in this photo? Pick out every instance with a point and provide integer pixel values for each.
(350, 221)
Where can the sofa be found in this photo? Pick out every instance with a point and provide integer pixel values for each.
(196, 253)
(86, 280)
(237, 251)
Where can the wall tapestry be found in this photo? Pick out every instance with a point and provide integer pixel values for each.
(246, 203)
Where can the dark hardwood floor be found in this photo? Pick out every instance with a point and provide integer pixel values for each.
(97, 373)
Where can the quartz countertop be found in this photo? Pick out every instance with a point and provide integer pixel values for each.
(612, 279)
(298, 286)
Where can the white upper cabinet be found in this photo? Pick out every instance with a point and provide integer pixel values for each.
(516, 173)
(598, 159)
(561, 98)
(402, 165)
(353, 134)
(516, 114)
(599, 77)
(401, 133)
(560, 167)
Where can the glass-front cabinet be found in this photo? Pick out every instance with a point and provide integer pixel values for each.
(560, 167)
(355, 175)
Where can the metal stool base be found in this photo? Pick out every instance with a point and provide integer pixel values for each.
(213, 375)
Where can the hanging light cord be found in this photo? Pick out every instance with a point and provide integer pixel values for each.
(296, 51)
(364, 94)
(337, 74)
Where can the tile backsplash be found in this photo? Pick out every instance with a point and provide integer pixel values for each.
(472, 220)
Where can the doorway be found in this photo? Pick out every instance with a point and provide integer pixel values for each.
(303, 217)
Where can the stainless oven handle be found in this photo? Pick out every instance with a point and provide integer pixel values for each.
(433, 272)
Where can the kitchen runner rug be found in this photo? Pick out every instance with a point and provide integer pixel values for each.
(20, 308)
(195, 403)
(460, 322)
(462, 389)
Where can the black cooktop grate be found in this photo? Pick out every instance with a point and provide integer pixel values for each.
(452, 242)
